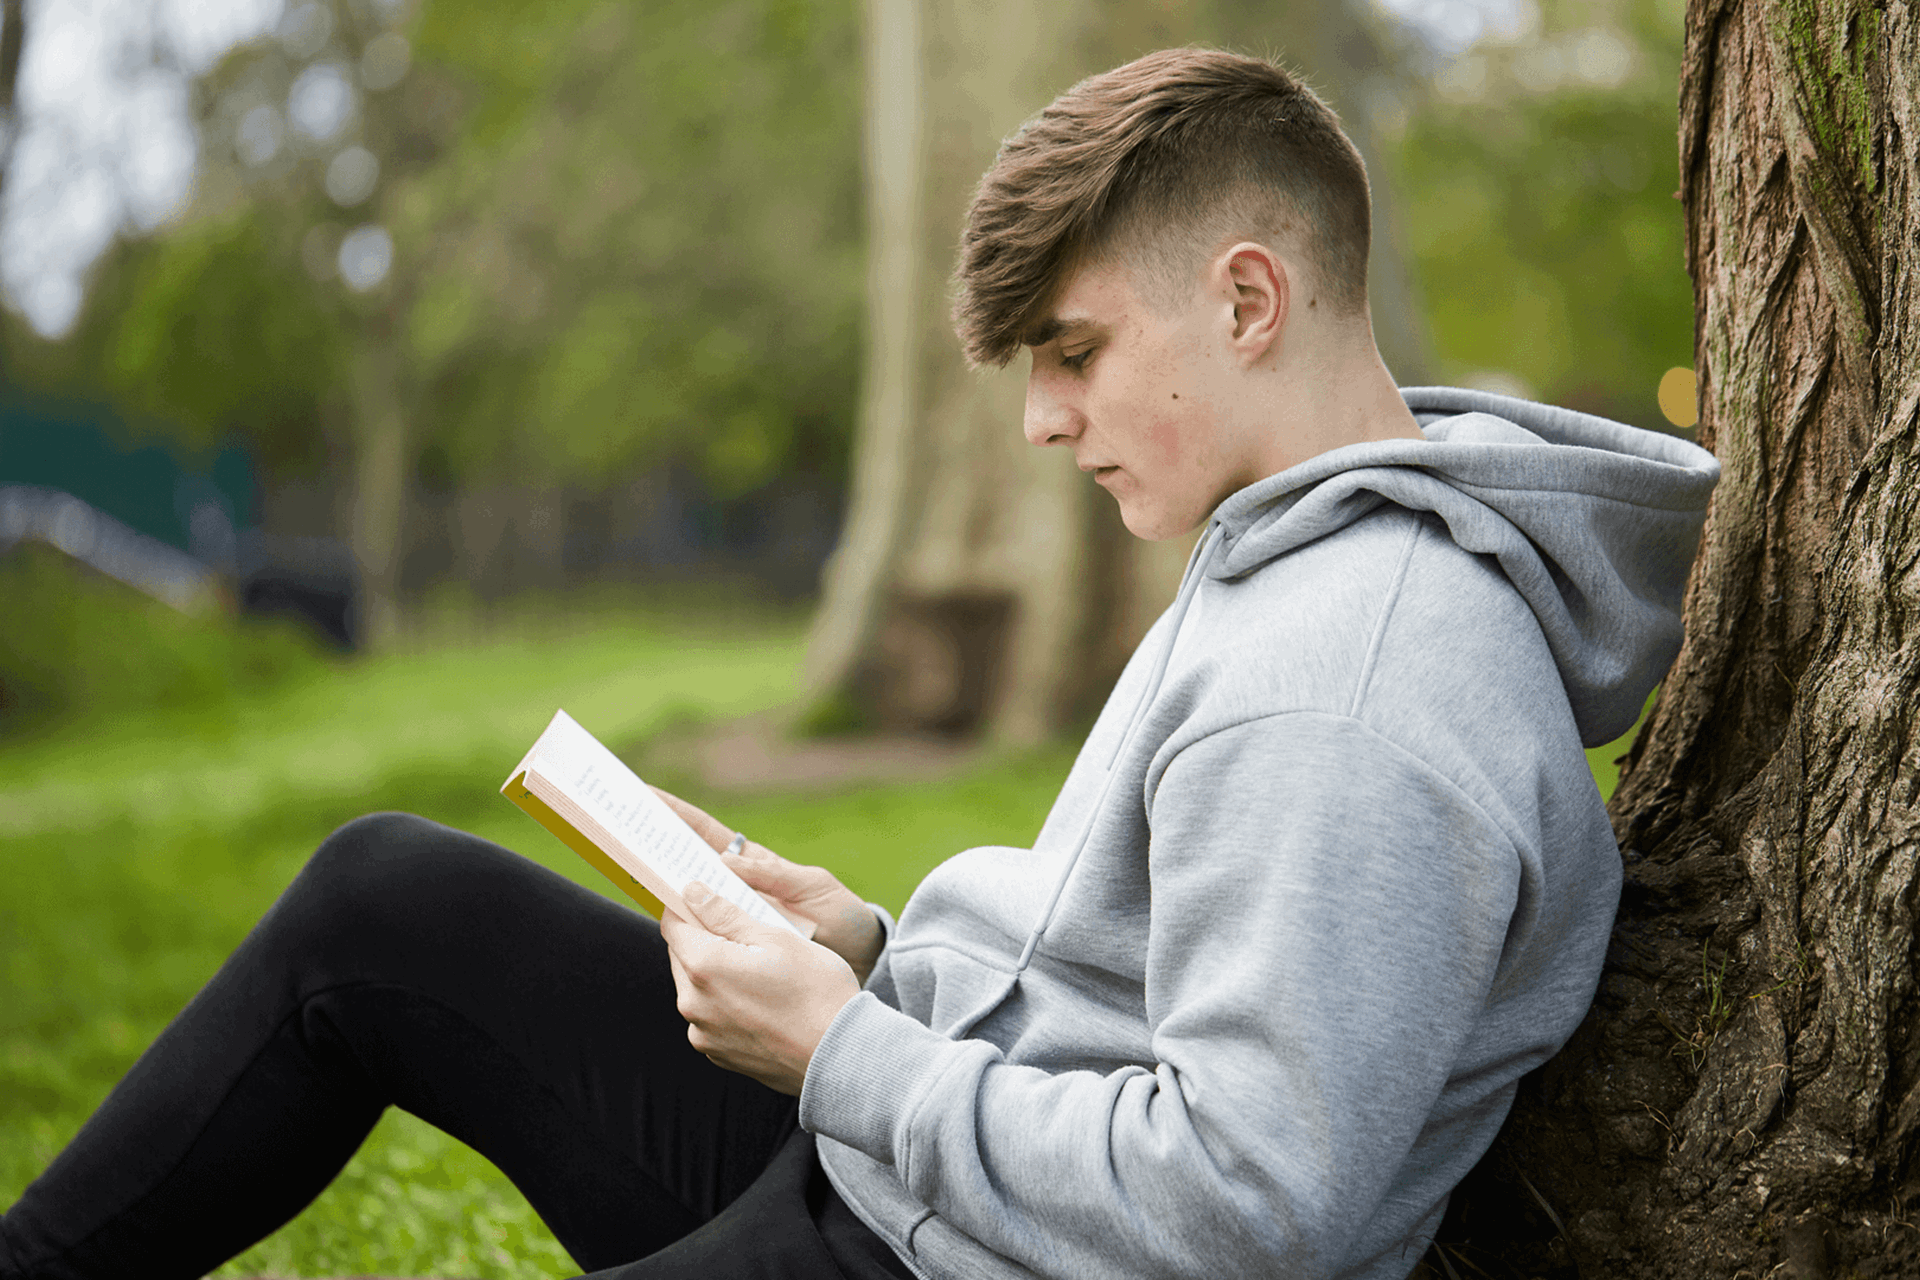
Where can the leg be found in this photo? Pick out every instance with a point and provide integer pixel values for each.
(415, 966)
(789, 1225)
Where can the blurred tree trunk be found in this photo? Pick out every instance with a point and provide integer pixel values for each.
(1744, 1099)
(382, 460)
(982, 584)
(13, 41)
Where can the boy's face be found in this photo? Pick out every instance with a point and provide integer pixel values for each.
(1136, 395)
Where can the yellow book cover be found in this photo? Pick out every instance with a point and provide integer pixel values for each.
(574, 787)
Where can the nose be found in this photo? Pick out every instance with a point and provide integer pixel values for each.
(1049, 420)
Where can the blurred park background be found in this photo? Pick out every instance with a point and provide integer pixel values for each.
(378, 375)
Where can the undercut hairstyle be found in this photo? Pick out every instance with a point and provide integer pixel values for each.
(1158, 165)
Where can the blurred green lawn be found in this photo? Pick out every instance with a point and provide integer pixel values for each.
(136, 851)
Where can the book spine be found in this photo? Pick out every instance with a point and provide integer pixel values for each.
(591, 841)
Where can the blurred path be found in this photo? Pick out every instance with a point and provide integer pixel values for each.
(755, 753)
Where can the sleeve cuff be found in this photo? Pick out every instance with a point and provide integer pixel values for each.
(869, 1072)
(881, 914)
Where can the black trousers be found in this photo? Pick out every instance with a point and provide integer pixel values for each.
(415, 966)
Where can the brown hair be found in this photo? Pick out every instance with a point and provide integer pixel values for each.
(1156, 163)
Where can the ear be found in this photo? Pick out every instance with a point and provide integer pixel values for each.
(1262, 294)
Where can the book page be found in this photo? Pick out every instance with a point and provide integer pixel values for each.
(576, 762)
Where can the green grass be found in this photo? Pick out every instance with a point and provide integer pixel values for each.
(137, 849)
(135, 852)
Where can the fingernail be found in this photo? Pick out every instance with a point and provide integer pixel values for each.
(696, 894)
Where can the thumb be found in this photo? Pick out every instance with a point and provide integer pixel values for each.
(715, 914)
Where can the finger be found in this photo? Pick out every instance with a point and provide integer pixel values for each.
(689, 941)
(704, 824)
(772, 874)
(674, 928)
(689, 945)
(682, 984)
(718, 916)
(687, 1000)
(801, 877)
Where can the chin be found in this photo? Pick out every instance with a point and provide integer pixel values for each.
(1155, 526)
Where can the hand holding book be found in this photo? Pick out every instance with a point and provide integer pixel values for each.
(652, 844)
(756, 993)
(757, 1000)
(842, 922)
(574, 787)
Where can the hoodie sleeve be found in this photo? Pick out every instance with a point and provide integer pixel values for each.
(1327, 915)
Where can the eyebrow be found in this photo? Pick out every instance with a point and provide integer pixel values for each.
(1053, 327)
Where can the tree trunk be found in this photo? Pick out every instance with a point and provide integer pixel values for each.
(13, 41)
(981, 584)
(1744, 1098)
(382, 458)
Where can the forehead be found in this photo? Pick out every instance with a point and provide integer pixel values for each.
(1098, 296)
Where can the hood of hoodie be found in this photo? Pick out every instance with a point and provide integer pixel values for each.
(1594, 523)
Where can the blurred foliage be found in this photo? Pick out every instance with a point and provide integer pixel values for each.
(1538, 195)
(647, 241)
(630, 234)
(623, 235)
(77, 647)
(217, 329)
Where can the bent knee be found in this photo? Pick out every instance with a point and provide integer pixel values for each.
(385, 895)
(383, 861)
(371, 840)
(370, 829)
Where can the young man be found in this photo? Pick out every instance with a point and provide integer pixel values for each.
(1328, 876)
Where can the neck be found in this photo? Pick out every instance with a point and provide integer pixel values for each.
(1327, 400)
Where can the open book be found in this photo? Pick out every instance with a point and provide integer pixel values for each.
(574, 787)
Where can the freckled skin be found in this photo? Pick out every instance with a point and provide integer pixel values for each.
(1174, 410)
(1140, 407)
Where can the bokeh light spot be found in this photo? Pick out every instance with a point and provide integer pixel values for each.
(351, 176)
(385, 62)
(320, 101)
(257, 140)
(366, 255)
(305, 29)
(1679, 399)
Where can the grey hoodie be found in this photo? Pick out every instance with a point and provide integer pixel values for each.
(1328, 876)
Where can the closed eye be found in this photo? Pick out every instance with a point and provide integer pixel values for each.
(1078, 360)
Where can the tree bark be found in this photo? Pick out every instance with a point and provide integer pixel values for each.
(882, 478)
(981, 584)
(1745, 1096)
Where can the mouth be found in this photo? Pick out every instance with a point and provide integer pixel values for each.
(1099, 472)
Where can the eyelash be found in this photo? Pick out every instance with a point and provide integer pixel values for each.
(1078, 361)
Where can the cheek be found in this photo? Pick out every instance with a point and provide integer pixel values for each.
(1158, 421)
(1180, 433)
(1176, 426)
(1163, 437)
